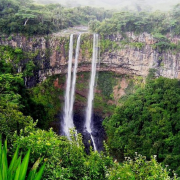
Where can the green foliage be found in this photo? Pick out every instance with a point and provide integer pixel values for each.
(44, 96)
(106, 81)
(9, 59)
(138, 169)
(17, 169)
(130, 88)
(30, 66)
(16, 102)
(148, 123)
(157, 23)
(8, 82)
(67, 160)
(11, 118)
(161, 46)
(12, 58)
(107, 45)
(64, 159)
(9, 38)
(28, 18)
(160, 36)
(18, 51)
(151, 75)
(138, 45)
(87, 45)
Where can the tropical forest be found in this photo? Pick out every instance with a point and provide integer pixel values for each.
(89, 90)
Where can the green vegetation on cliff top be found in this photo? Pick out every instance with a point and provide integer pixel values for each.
(19, 16)
(139, 22)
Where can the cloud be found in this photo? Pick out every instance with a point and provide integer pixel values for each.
(155, 4)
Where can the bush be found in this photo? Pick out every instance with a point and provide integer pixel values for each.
(64, 159)
(17, 169)
(67, 160)
(139, 169)
(18, 51)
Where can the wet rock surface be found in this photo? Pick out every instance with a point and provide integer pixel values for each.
(79, 121)
(98, 131)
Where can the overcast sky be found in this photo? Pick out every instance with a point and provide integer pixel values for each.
(128, 4)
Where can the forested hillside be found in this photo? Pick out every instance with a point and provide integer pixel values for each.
(139, 22)
(18, 16)
(147, 122)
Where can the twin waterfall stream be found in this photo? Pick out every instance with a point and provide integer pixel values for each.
(71, 86)
(91, 89)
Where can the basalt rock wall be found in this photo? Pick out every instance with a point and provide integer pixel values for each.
(138, 61)
(52, 56)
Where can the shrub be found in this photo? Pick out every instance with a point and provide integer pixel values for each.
(18, 51)
(139, 169)
(17, 170)
(64, 159)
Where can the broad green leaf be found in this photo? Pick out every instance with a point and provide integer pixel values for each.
(14, 169)
(1, 157)
(13, 161)
(0, 151)
(32, 173)
(4, 163)
(39, 174)
(17, 173)
(24, 166)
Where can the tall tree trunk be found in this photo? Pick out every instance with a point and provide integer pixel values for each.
(26, 21)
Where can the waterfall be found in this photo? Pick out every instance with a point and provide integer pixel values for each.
(70, 88)
(74, 78)
(67, 122)
(88, 124)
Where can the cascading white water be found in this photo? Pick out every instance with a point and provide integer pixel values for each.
(67, 123)
(70, 88)
(73, 85)
(88, 125)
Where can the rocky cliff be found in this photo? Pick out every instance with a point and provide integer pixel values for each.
(51, 55)
(139, 61)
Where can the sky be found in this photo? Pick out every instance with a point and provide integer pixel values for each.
(126, 4)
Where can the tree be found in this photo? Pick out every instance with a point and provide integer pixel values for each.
(26, 15)
(148, 123)
(11, 118)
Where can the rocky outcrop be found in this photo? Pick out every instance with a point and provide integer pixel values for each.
(52, 56)
(139, 61)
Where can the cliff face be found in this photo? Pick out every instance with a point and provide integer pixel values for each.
(52, 56)
(139, 61)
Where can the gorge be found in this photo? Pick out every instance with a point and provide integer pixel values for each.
(89, 93)
(50, 55)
